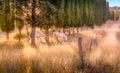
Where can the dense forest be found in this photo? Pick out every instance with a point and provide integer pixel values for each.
(47, 14)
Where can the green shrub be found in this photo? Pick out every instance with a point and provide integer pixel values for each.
(22, 36)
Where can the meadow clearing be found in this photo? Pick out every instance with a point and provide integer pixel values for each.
(64, 57)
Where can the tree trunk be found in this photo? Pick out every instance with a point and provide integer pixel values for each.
(27, 31)
(59, 29)
(47, 37)
(81, 28)
(63, 30)
(77, 30)
(73, 31)
(33, 36)
(7, 36)
(69, 32)
(40, 29)
(19, 36)
(33, 23)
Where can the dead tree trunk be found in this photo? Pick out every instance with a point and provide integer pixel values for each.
(81, 52)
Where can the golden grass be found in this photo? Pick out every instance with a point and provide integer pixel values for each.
(58, 58)
(46, 59)
(62, 57)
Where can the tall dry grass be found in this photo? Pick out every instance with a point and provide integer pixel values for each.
(19, 58)
(62, 57)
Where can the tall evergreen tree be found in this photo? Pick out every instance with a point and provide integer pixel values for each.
(62, 14)
(81, 18)
(77, 14)
(91, 14)
(73, 14)
(8, 18)
(85, 12)
(68, 15)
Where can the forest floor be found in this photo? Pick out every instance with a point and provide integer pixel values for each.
(104, 57)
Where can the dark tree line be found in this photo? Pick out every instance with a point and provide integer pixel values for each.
(45, 14)
(77, 13)
(84, 12)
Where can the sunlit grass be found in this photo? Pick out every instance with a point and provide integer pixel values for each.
(61, 57)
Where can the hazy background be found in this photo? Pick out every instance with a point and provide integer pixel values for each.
(114, 3)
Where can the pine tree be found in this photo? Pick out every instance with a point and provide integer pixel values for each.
(68, 15)
(73, 15)
(62, 14)
(81, 18)
(91, 14)
(85, 12)
(77, 13)
(8, 18)
(98, 9)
